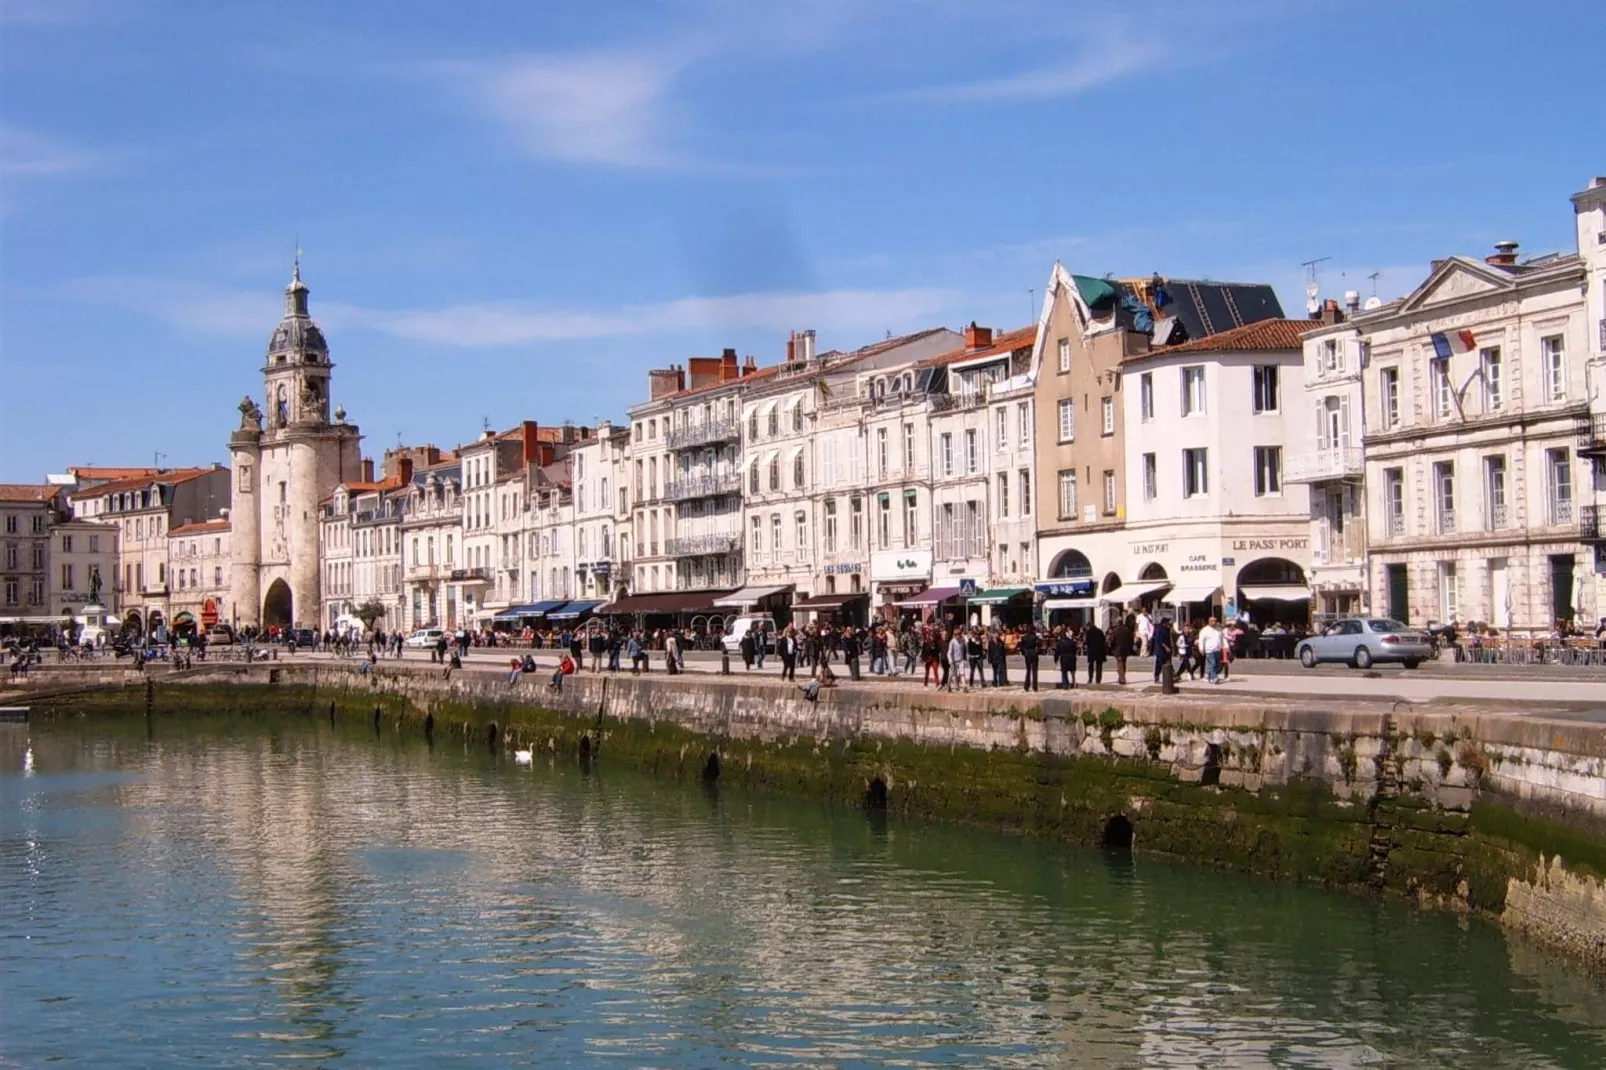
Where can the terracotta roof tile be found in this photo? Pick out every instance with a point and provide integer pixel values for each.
(83, 471)
(1273, 334)
(1004, 343)
(28, 492)
(168, 476)
(199, 529)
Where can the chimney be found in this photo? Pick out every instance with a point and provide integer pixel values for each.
(807, 341)
(791, 346)
(664, 381)
(367, 469)
(531, 432)
(749, 366)
(978, 337)
(1330, 313)
(1505, 254)
(404, 469)
(727, 366)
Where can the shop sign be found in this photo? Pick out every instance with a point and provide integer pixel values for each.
(1150, 549)
(1199, 563)
(900, 565)
(852, 569)
(1301, 542)
(902, 588)
(1065, 588)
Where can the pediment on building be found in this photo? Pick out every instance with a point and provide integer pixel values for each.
(1458, 279)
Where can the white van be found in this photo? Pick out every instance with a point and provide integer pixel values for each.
(736, 630)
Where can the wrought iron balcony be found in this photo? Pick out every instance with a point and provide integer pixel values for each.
(1589, 524)
(1446, 521)
(1499, 517)
(1324, 465)
(1592, 435)
(698, 434)
(704, 486)
(1561, 512)
(700, 545)
(1396, 525)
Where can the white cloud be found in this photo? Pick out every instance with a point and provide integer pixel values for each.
(203, 309)
(515, 323)
(25, 152)
(1105, 62)
(599, 108)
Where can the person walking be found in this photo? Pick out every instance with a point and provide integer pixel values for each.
(976, 654)
(1145, 632)
(910, 640)
(1096, 646)
(599, 646)
(761, 642)
(786, 647)
(672, 654)
(931, 658)
(1164, 645)
(1065, 657)
(850, 651)
(956, 660)
(1210, 644)
(1029, 652)
(746, 646)
(998, 658)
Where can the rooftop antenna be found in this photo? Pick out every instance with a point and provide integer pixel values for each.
(1373, 276)
(1031, 301)
(1313, 286)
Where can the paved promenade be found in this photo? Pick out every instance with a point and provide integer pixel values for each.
(1514, 686)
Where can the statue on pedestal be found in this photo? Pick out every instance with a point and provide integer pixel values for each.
(250, 415)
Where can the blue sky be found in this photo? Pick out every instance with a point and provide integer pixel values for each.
(511, 210)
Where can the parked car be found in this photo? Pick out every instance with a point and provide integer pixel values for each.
(304, 637)
(220, 635)
(1361, 642)
(424, 638)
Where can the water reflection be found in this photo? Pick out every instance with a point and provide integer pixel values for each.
(234, 891)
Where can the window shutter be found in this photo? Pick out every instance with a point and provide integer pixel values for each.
(1345, 437)
(1322, 445)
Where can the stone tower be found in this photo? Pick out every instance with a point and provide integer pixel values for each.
(287, 458)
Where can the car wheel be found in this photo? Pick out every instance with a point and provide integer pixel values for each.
(1363, 658)
(1411, 663)
(1307, 657)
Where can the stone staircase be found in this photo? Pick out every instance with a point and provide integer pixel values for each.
(1385, 813)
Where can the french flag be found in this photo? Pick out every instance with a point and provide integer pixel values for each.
(1447, 344)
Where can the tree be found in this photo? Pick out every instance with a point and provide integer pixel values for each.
(369, 612)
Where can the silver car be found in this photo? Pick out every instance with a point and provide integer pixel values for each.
(1361, 642)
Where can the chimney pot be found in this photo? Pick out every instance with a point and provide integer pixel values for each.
(1505, 254)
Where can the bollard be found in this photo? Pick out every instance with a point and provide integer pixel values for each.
(1168, 679)
(724, 662)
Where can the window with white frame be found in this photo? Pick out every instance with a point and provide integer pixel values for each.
(775, 533)
(1195, 473)
(1553, 358)
(1067, 421)
(972, 453)
(758, 535)
(1151, 477)
(1025, 480)
(1065, 354)
(1268, 388)
(830, 525)
(855, 522)
(1146, 397)
(1193, 390)
(1494, 491)
(1109, 491)
(800, 520)
(1559, 470)
(881, 450)
(1268, 471)
(1449, 607)
(946, 449)
(1107, 416)
(908, 447)
(1444, 495)
(1023, 421)
(911, 518)
(1003, 496)
(884, 501)
(1443, 397)
(1067, 484)
(1001, 427)
(1489, 365)
(1394, 500)
(1389, 387)
(1329, 356)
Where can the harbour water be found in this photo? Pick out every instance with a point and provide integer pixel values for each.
(230, 893)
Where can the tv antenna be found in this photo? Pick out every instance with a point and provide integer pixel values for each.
(1313, 286)
(1374, 277)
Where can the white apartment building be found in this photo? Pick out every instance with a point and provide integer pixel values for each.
(335, 557)
(601, 469)
(983, 500)
(1589, 208)
(492, 503)
(199, 558)
(1333, 467)
(1211, 527)
(549, 536)
(80, 550)
(432, 538)
(1481, 440)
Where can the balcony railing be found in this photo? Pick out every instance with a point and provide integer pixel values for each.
(470, 575)
(1396, 525)
(704, 486)
(1322, 465)
(1499, 517)
(1589, 523)
(1592, 436)
(698, 434)
(423, 572)
(1561, 512)
(1446, 521)
(698, 545)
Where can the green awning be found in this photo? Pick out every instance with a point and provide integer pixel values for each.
(1097, 293)
(998, 596)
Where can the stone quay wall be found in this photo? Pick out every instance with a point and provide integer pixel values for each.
(1495, 813)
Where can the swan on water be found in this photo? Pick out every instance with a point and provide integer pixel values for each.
(522, 756)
